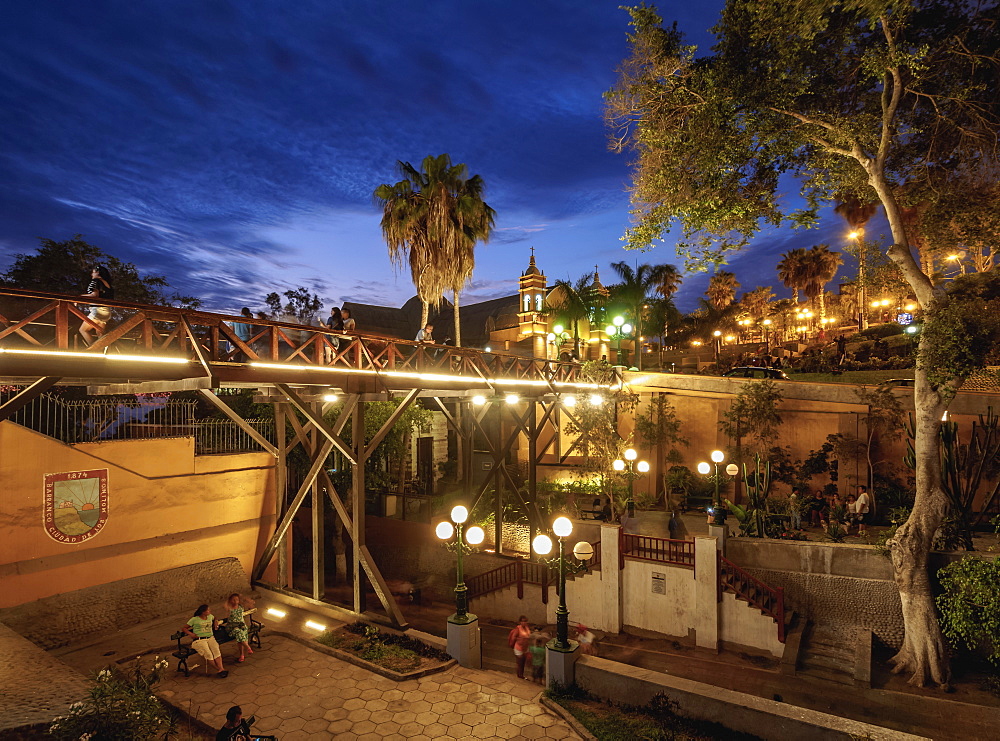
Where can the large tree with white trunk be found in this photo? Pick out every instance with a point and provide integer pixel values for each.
(870, 97)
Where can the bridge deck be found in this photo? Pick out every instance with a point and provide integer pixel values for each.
(166, 347)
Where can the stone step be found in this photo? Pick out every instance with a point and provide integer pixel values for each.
(818, 661)
(827, 649)
(826, 675)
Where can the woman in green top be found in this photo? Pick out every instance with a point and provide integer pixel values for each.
(235, 625)
(201, 627)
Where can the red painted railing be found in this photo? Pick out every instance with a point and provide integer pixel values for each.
(521, 572)
(658, 550)
(34, 321)
(767, 599)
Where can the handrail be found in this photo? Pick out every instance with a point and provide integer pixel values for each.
(40, 323)
(519, 572)
(769, 600)
(658, 550)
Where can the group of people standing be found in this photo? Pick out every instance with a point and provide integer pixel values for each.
(203, 625)
(820, 510)
(527, 643)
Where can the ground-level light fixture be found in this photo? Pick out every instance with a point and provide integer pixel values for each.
(313, 625)
(275, 612)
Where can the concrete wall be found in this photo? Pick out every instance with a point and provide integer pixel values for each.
(849, 584)
(742, 625)
(671, 613)
(167, 509)
(768, 719)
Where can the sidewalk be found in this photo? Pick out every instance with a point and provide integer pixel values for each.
(297, 693)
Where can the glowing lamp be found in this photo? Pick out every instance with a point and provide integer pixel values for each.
(444, 530)
(718, 456)
(542, 545)
(704, 468)
(475, 535)
(459, 514)
(618, 465)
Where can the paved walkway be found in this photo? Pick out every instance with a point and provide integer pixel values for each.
(299, 693)
(34, 686)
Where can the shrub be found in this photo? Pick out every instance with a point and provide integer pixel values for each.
(120, 706)
(970, 605)
(880, 331)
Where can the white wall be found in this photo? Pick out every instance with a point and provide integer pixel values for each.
(744, 625)
(671, 613)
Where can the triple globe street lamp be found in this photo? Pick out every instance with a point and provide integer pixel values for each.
(633, 466)
(583, 551)
(704, 468)
(464, 539)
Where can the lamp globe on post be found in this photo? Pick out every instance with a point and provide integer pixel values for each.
(633, 467)
(562, 652)
(463, 627)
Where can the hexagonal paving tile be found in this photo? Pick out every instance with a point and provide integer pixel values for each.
(460, 730)
(404, 716)
(436, 730)
(315, 726)
(508, 730)
(426, 718)
(365, 726)
(411, 729)
(291, 724)
(484, 730)
(354, 703)
(557, 732)
(532, 732)
(359, 715)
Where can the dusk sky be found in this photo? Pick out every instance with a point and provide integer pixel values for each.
(233, 147)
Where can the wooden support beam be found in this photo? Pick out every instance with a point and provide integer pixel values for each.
(318, 422)
(241, 423)
(286, 521)
(358, 502)
(196, 346)
(382, 589)
(318, 538)
(280, 484)
(27, 395)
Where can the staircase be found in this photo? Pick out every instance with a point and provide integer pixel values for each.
(828, 653)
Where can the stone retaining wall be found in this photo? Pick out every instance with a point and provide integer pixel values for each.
(71, 617)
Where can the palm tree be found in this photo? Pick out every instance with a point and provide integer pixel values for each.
(568, 302)
(791, 271)
(635, 288)
(819, 267)
(722, 288)
(432, 219)
(757, 301)
(857, 213)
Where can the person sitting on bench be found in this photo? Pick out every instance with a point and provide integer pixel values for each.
(202, 627)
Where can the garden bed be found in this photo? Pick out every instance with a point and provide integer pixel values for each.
(390, 655)
(655, 721)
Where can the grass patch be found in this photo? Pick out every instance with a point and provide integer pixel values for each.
(656, 721)
(858, 378)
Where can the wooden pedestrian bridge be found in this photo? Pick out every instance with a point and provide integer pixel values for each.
(488, 400)
(167, 348)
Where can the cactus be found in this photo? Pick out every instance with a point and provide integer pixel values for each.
(758, 483)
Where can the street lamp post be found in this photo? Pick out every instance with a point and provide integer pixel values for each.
(561, 650)
(632, 465)
(719, 512)
(717, 334)
(463, 627)
(859, 238)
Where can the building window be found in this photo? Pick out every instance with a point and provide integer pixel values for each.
(527, 302)
(538, 302)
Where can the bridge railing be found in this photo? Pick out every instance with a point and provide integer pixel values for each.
(35, 321)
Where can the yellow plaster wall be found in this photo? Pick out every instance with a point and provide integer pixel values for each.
(167, 508)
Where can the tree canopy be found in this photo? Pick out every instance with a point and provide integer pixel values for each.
(64, 267)
(893, 101)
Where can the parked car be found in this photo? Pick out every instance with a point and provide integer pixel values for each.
(894, 383)
(751, 371)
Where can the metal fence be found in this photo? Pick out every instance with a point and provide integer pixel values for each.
(107, 418)
(225, 436)
(133, 417)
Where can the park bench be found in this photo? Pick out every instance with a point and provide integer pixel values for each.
(184, 650)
